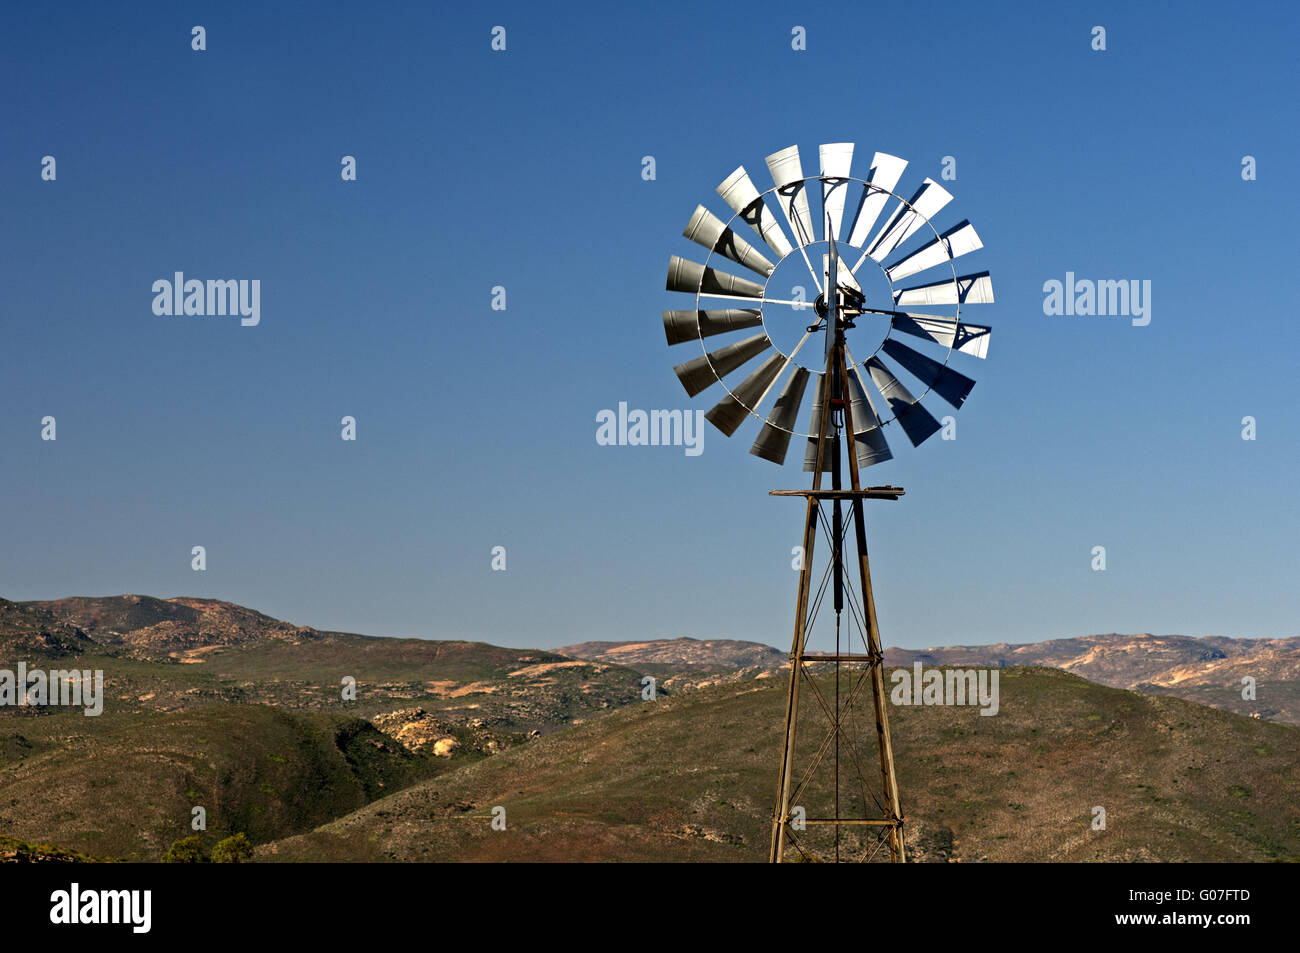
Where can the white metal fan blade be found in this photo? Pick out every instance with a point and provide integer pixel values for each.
(700, 373)
(738, 191)
(886, 170)
(691, 277)
(868, 436)
(787, 173)
(968, 338)
(943, 380)
(680, 326)
(907, 218)
(730, 412)
(959, 240)
(814, 422)
(708, 230)
(836, 167)
(773, 441)
(966, 289)
(917, 422)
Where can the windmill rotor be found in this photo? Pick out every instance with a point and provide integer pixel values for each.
(864, 224)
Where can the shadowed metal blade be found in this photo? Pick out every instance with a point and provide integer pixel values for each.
(814, 424)
(738, 191)
(787, 173)
(966, 289)
(700, 373)
(708, 230)
(886, 170)
(916, 421)
(690, 277)
(957, 241)
(967, 338)
(680, 326)
(940, 378)
(773, 441)
(837, 166)
(730, 412)
(868, 436)
(907, 218)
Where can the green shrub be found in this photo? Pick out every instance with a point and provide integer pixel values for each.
(233, 850)
(187, 850)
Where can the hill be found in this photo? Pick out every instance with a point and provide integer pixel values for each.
(125, 787)
(692, 777)
(1207, 670)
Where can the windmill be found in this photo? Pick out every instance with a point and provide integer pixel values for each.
(828, 804)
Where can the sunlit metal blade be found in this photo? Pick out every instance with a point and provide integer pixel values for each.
(966, 289)
(940, 378)
(868, 436)
(730, 412)
(923, 205)
(916, 421)
(886, 170)
(837, 166)
(738, 191)
(814, 426)
(957, 241)
(787, 173)
(691, 277)
(773, 441)
(700, 373)
(708, 230)
(967, 338)
(682, 326)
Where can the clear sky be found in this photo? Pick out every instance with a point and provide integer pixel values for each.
(476, 428)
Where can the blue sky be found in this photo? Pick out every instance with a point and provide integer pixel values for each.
(476, 428)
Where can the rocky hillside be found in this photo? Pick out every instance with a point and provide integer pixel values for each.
(30, 632)
(150, 628)
(1208, 670)
(677, 656)
(692, 778)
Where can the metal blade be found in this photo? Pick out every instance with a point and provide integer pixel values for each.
(787, 173)
(691, 277)
(730, 412)
(957, 241)
(700, 373)
(907, 218)
(837, 166)
(708, 230)
(682, 326)
(773, 441)
(966, 289)
(940, 378)
(967, 338)
(915, 420)
(868, 436)
(886, 170)
(738, 191)
(814, 422)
